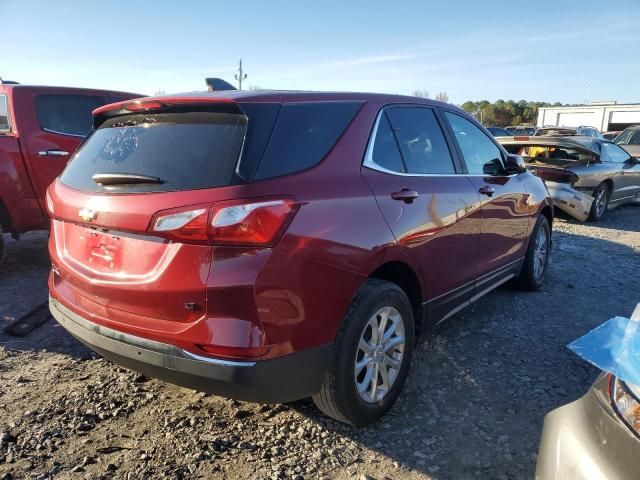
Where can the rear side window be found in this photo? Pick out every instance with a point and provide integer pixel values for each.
(5, 126)
(67, 114)
(303, 135)
(481, 155)
(183, 151)
(422, 143)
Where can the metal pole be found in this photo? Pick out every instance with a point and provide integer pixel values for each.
(240, 76)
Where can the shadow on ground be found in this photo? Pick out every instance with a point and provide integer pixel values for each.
(480, 387)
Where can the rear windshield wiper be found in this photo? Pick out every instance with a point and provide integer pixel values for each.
(124, 179)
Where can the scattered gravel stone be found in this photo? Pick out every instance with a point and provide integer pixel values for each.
(476, 396)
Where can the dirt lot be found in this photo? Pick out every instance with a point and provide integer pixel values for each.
(472, 408)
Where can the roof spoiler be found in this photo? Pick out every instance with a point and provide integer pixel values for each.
(158, 105)
(8, 82)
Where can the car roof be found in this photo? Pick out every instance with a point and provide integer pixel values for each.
(279, 96)
(303, 95)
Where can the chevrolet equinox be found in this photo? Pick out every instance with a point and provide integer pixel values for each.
(271, 246)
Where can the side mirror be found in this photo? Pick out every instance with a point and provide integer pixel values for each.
(515, 165)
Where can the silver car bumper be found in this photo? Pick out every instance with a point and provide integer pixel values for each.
(569, 200)
(586, 440)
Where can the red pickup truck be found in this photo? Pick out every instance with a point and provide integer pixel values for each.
(40, 128)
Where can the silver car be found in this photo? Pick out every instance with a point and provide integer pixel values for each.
(585, 176)
(630, 140)
(597, 437)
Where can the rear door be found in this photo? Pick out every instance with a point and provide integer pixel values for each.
(428, 204)
(504, 199)
(52, 124)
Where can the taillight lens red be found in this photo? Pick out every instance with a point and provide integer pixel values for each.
(240, 223)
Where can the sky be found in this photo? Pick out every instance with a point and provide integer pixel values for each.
(559, 50)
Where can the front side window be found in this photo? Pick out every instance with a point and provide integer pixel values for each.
(481, 155)
(613, 153)
(67, 114)
(421, 141)
(5, 126)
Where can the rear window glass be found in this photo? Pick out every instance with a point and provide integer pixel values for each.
(422, 143)
(4, 114)
(184, 151)
(67, 114)
(303, 135)
(385, 148)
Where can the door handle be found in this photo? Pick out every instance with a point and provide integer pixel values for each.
(406, 195)
(53, 153)
(487, 190)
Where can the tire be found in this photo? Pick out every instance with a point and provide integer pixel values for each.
(3, 247)
(535, 265)
(599, 206)
(339, 396)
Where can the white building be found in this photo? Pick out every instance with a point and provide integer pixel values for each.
(605, 117)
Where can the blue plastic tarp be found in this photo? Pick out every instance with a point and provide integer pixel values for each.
(613, 347)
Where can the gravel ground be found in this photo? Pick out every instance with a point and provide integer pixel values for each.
(473, 405)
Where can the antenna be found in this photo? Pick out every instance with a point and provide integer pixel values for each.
(586, 102)
(240, 76)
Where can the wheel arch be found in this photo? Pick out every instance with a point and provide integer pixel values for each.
(406, 277)
(547, 211)
(5, 218)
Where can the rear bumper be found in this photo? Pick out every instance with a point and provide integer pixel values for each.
(569, 200)
(586, 440)
(277, 380)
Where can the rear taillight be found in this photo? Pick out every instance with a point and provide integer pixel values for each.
(49, 203)
(238, 223)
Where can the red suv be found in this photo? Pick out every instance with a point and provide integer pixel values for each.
(40, 127)
(270, 246)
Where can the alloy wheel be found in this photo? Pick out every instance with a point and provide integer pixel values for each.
(380, 354)
(601, 200)
(540, 253)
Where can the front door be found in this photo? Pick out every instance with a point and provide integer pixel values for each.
(430, 207)
(504, 199)
(627, 183)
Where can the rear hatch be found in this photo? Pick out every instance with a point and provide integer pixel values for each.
(113, 252)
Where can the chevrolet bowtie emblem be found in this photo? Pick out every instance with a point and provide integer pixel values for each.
(87, 214)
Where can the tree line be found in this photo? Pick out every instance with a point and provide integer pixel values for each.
(504, 113)
(500, 113)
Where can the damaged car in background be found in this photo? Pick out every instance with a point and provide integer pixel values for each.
(585, 176)
(597, 437)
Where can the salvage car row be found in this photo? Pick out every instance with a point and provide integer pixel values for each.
(585, 173)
